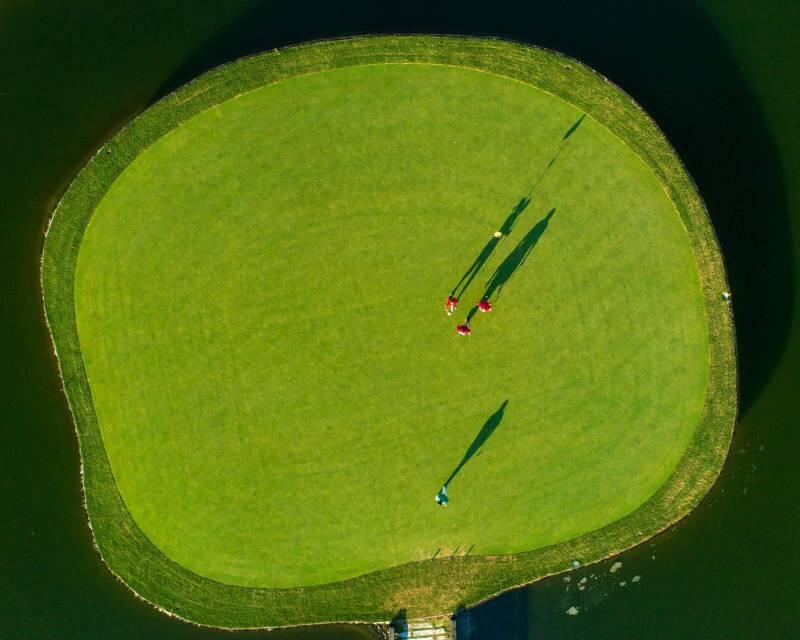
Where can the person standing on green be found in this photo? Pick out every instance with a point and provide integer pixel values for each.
(484, 255)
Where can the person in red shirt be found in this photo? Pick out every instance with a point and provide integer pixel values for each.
(463, 329)
(484, 305)
(450, 304)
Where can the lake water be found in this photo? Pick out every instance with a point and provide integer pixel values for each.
(720, 79)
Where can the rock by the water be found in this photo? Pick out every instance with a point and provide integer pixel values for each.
(572, 611)
(616, 567)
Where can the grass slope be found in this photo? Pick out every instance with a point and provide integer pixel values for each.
(213, 386)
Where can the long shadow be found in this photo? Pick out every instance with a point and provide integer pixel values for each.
(692, 86)
(573, 129)
(486, 431)
(513, 261)
(565, 138)
(486, 252)
(508, 225)
(684, 88)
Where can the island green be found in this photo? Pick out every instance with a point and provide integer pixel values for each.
(245, 289)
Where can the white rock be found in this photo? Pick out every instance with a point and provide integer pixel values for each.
(572, 611)
(616, 567)
(636, 578)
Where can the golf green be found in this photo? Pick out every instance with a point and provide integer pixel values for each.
(259, 301)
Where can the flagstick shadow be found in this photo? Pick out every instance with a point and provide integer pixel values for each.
(561, 147)
(507, 226)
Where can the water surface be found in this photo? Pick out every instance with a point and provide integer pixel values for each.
(720, 80)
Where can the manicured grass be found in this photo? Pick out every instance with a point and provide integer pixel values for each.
(259, 303)
(258, 299)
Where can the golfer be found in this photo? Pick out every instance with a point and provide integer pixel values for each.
(450, 304)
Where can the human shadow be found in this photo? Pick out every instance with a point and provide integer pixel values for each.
(684, 88)
(486, 431)
(513, 261)
(489, 248)
(508, 225)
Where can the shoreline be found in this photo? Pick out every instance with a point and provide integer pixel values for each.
(117, 537)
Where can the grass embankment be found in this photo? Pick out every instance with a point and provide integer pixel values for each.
(279, 393)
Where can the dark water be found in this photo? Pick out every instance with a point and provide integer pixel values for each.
(719, 77)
